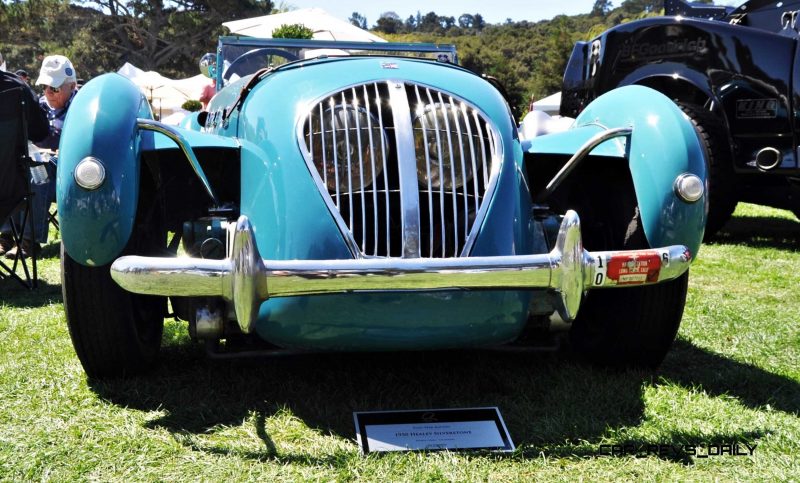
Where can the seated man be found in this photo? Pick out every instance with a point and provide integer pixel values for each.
(59, 80)
(37, 125)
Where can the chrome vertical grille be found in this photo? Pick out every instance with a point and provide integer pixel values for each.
(354, 141)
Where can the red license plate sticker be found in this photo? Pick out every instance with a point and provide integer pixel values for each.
(634, 268)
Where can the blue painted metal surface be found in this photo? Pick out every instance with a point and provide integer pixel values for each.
(101, 122)
(663, 145)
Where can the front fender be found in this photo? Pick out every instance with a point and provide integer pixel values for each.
(663, 145)
(101, 122)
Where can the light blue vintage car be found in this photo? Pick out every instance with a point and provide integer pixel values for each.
(343, 196)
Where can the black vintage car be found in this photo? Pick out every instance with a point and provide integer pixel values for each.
(734, 70)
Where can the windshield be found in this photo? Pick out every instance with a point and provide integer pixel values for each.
(241, 56)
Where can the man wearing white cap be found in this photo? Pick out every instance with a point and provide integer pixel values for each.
(58, 77)
(59, 80)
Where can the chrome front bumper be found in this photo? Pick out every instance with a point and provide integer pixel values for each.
(247, 280)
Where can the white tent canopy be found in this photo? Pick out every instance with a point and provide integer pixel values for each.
(324, 25)
(550, 104)
(165, 94)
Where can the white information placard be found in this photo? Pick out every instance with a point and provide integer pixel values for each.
(432, 430)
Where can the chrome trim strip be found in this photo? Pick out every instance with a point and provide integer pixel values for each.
(424, 125)
(247, 280)
(177, 137)
(441, 173)
(385, 166)
(349, 161)
(360, 171)
(472, 155)
(453, 189)
(465, 196)
(407, 168)
(580, 155)
(374, 183)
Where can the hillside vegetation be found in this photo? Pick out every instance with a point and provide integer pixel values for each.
(99, 36)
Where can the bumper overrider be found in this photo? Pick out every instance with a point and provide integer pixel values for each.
(247, 280)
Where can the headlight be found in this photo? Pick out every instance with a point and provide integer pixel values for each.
(350, 153)
(441, 137)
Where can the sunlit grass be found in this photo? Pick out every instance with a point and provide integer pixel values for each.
(733, 376)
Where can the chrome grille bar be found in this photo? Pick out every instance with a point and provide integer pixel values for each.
(449, 133)
(472, 155)
(360, 171)
(388, 206)
(441, 173)
(374, 190)
(440, 145)
(345, 116)
(335, 154)
(423, 121)
(407, 169)
(465, 193)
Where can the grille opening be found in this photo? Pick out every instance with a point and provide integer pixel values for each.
(350, 141)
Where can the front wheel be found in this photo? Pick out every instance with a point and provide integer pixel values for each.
(632, 326)
(115, 333)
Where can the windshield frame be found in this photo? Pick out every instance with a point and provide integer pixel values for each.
(442, 52)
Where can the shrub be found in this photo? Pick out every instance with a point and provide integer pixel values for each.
(192, 105)
(293, 31)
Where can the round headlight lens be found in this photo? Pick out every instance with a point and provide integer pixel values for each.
(90, 173)
(440, 136)
(689, 187)
(350, 156)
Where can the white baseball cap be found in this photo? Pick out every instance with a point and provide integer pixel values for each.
(56, 69)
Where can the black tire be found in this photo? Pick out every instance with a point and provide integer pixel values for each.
(115, 333)
(632, 326)
(721, 182)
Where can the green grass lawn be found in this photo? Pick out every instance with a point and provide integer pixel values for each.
(732, 376)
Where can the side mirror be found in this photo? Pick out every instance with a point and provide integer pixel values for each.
(208, 65)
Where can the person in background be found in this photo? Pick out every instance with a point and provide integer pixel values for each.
(38, 129)
(58, 77)
(23, 74)
(207, 93)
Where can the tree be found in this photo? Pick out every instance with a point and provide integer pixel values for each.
(165, 36)
(466, 21)
(358, 20)
(601, 8)
(478, 22)
(390, 23)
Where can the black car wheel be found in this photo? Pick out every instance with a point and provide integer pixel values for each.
(115, 333)
(632, 326)
(721, 183)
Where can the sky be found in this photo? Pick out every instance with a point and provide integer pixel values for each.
(493, 11)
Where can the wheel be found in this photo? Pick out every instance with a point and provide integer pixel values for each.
(632, 326)
(115, 333)
(721, 184)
